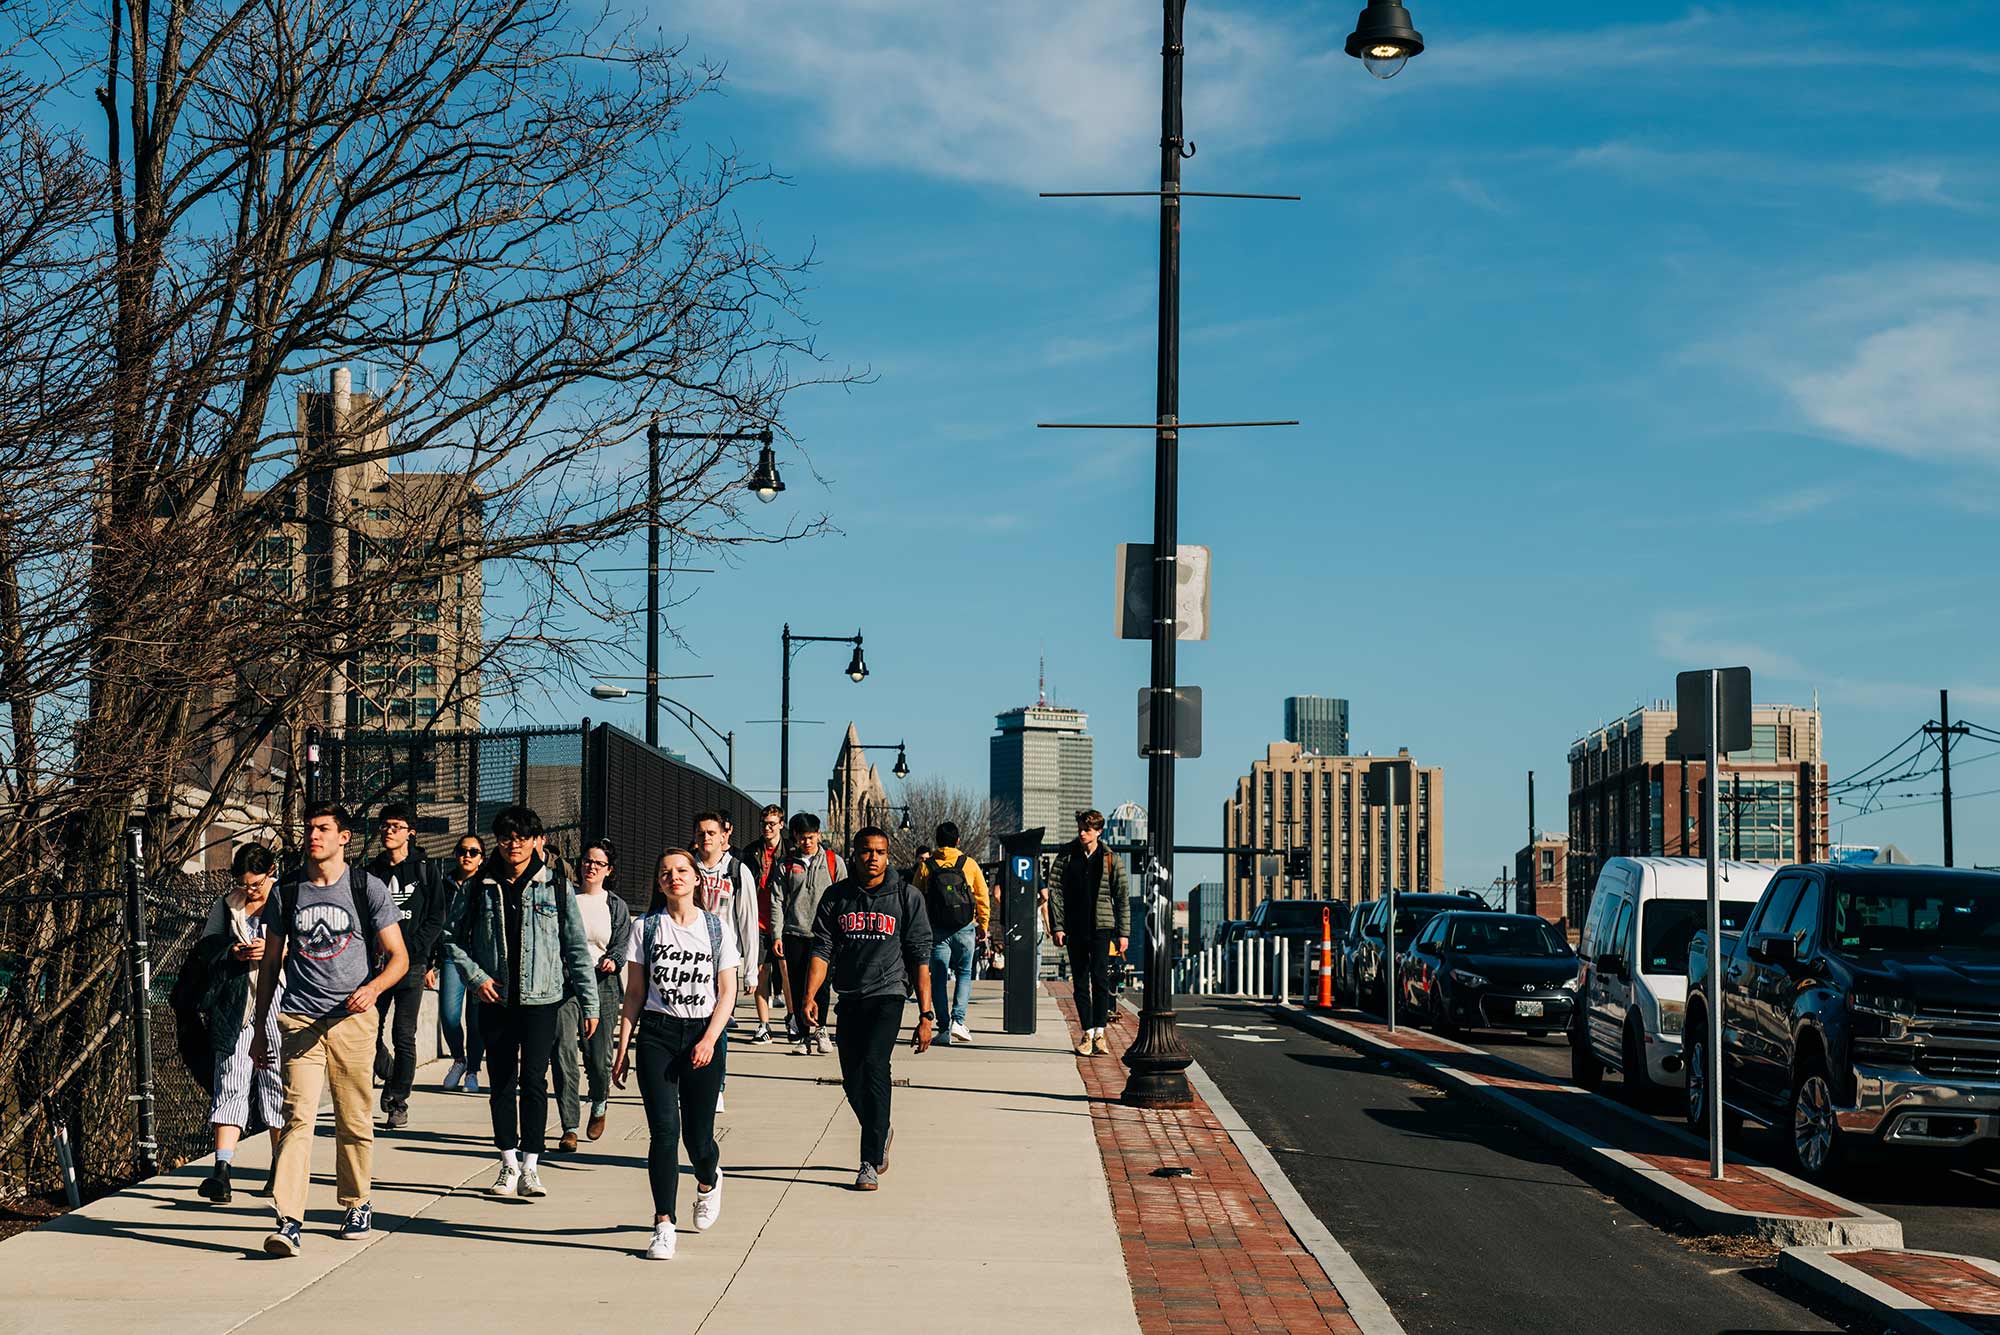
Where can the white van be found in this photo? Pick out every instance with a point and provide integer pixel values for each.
(1632, 957)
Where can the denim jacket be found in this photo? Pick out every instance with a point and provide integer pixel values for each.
(555, 955)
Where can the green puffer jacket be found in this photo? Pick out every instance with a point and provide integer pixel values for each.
(1090, 898)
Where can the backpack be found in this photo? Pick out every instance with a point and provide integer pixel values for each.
(648, 933)
(947, 896)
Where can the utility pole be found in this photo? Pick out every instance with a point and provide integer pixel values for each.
(1531, 809)
(1943, 731)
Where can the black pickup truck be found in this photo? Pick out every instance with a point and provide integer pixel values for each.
(1859, 1003)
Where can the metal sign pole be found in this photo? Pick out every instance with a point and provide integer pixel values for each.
(1389, 928)
(1711, 835)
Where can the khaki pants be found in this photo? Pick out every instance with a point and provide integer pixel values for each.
(342, 1048)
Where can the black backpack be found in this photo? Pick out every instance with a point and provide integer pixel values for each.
(947, 896)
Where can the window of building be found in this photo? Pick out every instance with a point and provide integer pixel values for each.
(427, 707)
(427, 674)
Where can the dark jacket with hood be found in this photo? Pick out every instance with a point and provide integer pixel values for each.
(1093, 892)
(423, 919)
(874, 940)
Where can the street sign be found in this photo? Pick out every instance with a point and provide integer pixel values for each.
(1732, 717)
(1187, 721)
(1133, 590)
(1386, 785)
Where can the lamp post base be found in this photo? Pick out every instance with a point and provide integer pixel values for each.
(1158, 1061)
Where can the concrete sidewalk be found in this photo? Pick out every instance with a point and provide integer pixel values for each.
(995, 1216)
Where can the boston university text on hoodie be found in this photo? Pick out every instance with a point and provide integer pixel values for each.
(874, 940)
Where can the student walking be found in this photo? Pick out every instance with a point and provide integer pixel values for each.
(459, 1021)
(810, 871)
(607, 926)
(954, 891)
(1094, 899)
(679, 992)
(421, 899)
(519, 941)
(728, 890)
(873, 935)
(323, 986)
(766, 860)
(244, 1097)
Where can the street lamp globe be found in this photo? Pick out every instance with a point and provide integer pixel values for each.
(857, 669)
(604, 692)
(764, 479)
(902, 769)
(1384, 38)
(904, 824)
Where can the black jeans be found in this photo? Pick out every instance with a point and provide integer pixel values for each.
(399, 1025)
(798, 972)
(680, 1105)
(1090, 968)
(866, 1038)
(519, 1040)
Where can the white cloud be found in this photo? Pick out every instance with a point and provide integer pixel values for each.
(1048, 94)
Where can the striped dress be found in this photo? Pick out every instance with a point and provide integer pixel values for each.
(245, 1096)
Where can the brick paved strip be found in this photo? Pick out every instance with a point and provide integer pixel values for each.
(1907, 1292)
(1948, 1283)
(1211, 1252)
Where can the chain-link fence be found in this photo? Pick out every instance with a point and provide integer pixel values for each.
(68, 1075)
(456, 782)
(645, 800)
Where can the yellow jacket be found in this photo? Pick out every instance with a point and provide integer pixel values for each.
(982, 909)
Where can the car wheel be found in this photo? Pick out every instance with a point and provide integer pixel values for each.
(1696, 1108)
(1814, 1122)
(1632, 1052)
(1441, 1019)
(1585, 1071)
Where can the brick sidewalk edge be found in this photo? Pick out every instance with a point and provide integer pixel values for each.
(1909, 1292)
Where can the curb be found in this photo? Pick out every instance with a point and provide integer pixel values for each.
(1826, 1271)
(1863, 1227)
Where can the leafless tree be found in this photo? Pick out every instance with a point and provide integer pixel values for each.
(932, 802)
(490, 205)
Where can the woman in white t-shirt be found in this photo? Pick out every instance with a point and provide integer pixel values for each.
(678, 1001)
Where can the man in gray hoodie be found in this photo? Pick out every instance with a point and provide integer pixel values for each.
(810, 871)
(873, 935)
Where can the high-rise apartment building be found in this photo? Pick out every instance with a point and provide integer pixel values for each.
(1041, 769)
(1318, 723)
(1635, 791)
(1294, 800)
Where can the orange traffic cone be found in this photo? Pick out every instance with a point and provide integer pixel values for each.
(1326, 959)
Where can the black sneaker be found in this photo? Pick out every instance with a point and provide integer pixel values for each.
(284, 1240)
(215, 1187)
(763, 1034)
(360, 1219)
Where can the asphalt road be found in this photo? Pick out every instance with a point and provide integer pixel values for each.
(1942, 1207)
(1463, 1222)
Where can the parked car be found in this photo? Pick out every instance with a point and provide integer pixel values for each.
(1632, 988)
(1370, 972)
(1859, 1003)
(1297, 920)
(1484, 970)
(1345, 948)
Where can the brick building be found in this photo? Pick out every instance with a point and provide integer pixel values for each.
(1541, 878)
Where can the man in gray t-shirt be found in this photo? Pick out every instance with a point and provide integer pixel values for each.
(327, 956)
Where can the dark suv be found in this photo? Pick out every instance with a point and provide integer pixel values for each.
(1858, 1002)
(1294, 920)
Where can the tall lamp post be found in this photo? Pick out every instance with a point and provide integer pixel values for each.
(1384, 39)
(857, 671)
(728, 739)
(763, 479)
(901, 771)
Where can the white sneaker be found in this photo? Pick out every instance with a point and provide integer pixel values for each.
(663, 1243)
(825, 1043)
(708, 1206)
(531, 1183)
(718, 1101)
(508, 1183)
(804, 1048)
(453, 1076)
(960, 1034)
(471, 1082)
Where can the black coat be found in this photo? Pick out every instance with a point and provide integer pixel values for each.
(423, 916)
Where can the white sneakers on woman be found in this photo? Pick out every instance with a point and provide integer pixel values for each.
(708, 1206)
(663, 1242)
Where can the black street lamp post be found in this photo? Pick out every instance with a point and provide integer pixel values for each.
(901, 771)
(857, 671)
(728, 739)
(763, 480)
(1384, 39)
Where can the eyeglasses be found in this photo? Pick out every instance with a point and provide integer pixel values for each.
(596, 862)
(513, 839)
(394, 827)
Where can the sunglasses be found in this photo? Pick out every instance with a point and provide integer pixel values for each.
(471, 853)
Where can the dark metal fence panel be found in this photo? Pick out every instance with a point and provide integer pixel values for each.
(456, 782)
(645, 800)
(66, 1065)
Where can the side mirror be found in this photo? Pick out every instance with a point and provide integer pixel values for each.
(1613, 963)
(1777, 948)
(1374, 930)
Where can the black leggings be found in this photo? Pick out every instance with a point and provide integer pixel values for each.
(519, 1041)
(680, 1105)
(866, 1038)
(1090, 969)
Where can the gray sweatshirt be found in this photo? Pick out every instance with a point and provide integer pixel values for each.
(795, 905)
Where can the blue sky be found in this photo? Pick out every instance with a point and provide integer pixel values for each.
(1645, 337)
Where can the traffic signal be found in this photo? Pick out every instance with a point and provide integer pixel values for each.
(1297, 867)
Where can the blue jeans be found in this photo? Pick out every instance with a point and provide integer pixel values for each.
(953, 955)
(459, 1021)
